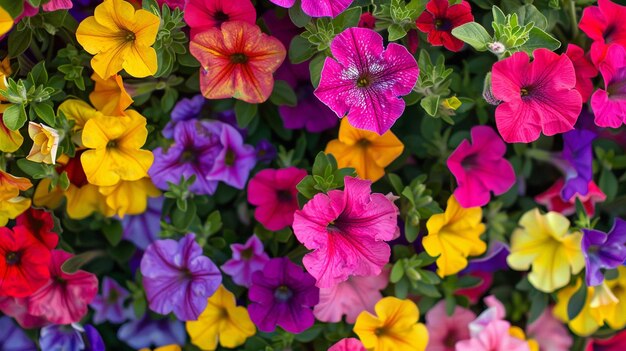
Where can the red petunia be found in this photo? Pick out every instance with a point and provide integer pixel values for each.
(40, 224)
(202, 15)
(604, 24)
(439, 19)
(585, 70)
(23, 262)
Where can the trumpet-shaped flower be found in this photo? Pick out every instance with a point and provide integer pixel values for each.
(364, 81)
(11, 203)
(536, 96)
(604, 25)
(444, 330)
(609, 104)
(109, 306)
(603, 251)
(237, 61)
(480, 168)
(221, 321)
(544, 244)
(234, 161)
(115, 153)
(318, 8)
(454, 236)
(348, 231)
(247, 258)
(440, 18)
(13, 338)
(394, 327)
(45, 143)
(367, 152)
(120, 37)
(41, 224)
(593, 313)
(109, 96)
(10, 140)
(128, 197)
(494, 337)
(202, 15)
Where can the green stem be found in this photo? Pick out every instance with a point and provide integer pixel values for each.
(573, 18)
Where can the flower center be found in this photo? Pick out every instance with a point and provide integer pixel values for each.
(469, 162)
(229, 158)
(284, 195)
(525, 91)
(451, 338)
(238, 58)
(363, 81)
(247, 253)
(221, 17)
(12, 258)
(112, 144)
(188, 156)
(363, 143)
(608, 32)
(283, 293)
(113, 296)
(130, 36)
(380, 331)
(443, 24)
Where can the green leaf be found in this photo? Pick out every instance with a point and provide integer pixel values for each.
(113, 232)
(577, 302)
(45, 112)
(396, 32)
(14, 117)
(74, 263)
(608, 183)
(498, 16)
(13, 7)
(528, 13)
(411, 232)
(538, 304)
(300, 50)
(474, 34)
(297, 16)
(430, 104)
(283, 94)
(19, 41)
(245, 112)
(315, 69)
(397, 272)
(33, 169)
(348, 18)
(540, 39)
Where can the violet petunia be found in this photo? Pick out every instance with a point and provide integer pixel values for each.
(146, 332)
(70, 337)
(480, 168)
(12, 338)
(184, 110)
(247, 258)
(143, 229)
(577, 155)
(265, 151)
(282, 295)
(178, 278)
(364, 81)
(603, 251)
(194, 152)
(234, 161)
(109, 305)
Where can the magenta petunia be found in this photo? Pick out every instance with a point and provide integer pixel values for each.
(585, 70)
(247, 258)
(317, 8)
(444, 330)
(274, 193)
(364, 82)
(348, 344)
(480, 168)
(537, 96)
(347, 231)
(64, 299)
(609, 104)
(604, 24)
(202, 15)
(350, 298)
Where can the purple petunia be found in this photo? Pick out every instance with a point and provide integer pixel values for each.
(184, 110)
(146, 332)
(247, 259)
(70, 338)
(365, 82)
(12, 338)
(143, 229)
(282, 294)
(109, 305)
(603, 250)
(234, 161)
(578, 160)
(178, 278)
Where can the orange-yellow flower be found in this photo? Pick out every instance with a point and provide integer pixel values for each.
(11, 203)
(367, 152)
(109, 96)
(120, 37)
(128, 197)
(45, 143)
(6, 21)
(237, 61)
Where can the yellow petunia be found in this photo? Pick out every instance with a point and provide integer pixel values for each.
(6, 21)
(454, 236)
(120, 37)
(79, 112)
(223, 321)
(10, 140)
(128, 197)
(395, 327)
(110, 96)
(11, 203)
(544, 243)
(367, 152)
(165, 348)
(115, 149)
(45, 143)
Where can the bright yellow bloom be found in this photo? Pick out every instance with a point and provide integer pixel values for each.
(115, 153)
(395, 327)
(165, 348)
(616, 317)
(223, 321)
(11, 203)
(128, 197)
(120, 37)
(367, 152)
(453, 236)
(544, 243)
(79, 112)
(109, 96)
(6, 21)
(45, 143)
(10, 140)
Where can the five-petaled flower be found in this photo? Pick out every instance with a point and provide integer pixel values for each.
(440, 18)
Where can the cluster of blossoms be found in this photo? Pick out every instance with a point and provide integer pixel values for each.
(312, 175)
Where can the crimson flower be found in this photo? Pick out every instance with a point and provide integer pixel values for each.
(202, 15)
(40, 224)
(439, 19)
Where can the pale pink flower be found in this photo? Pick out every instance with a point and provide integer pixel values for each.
(494, 337)
(445, 331)
(549, 332)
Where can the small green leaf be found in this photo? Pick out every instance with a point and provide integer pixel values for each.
(74, 263)
(348, 18)
(283, 94)
(315, 69)
(14, 117)
(474, 34)
(300, 50)
(113, 232)
(396, 32)
(297, 16)
(540, 39)
(608, 183)
(577, 302)
(245, 112)
(397, 272)
(430, 104)
(45, 112)
(19, 41)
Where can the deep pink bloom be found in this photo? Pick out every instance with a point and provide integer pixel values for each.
(367, 20)
(247, 258)
(609, 104)
(54, 5)
(64, 299)
(440, 18)
(616, 343)
(552, 199)
(173, 4)
(40, 224)
(476, 292)
(494, 337)
(445, 331)
(202, 15)
(18, 309)
(549, 332)
(348, 230)
(364, 81)
(604, 24)
(585, 70)
(317, 8)
(536, 96)
(274, 193)
(355, 295)
(348, 344)
(480, 168)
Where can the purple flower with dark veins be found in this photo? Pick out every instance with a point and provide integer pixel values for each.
(109, 305)
(603, 251)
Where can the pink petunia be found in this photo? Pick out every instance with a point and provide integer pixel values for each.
(350, 298)
(364, 81)
(348, 344)
(537, 96)
(274, 193)
(445, 331)
(247, 258)
(18, 309)
(64, 299)
(552, 199)
(604, 24)
(348, 230)
(202, 15)
(318, 8)
(494, 337)
(54, 5)
(609, 104)
(585, 70)
(549, 332)
(480, 168)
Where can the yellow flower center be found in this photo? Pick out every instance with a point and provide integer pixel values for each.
(363, 81)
